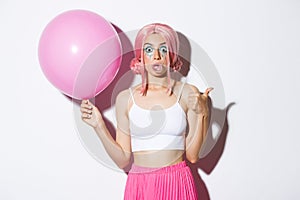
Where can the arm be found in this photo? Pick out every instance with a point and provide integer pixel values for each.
(120, 149)
(198, 119)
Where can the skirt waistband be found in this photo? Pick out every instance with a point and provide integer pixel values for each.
(141, 169)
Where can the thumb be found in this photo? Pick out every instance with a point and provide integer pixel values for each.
(208, 90)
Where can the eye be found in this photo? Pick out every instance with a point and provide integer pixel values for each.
(148, 49)
(163, 49)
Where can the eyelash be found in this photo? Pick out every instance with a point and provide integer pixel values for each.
(148, 48)
(163, 49)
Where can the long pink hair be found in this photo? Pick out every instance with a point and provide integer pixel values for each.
(172, 41)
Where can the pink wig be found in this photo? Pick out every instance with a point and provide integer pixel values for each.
(171, 37)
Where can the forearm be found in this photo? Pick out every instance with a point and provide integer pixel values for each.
(199, 135)
(114, 150)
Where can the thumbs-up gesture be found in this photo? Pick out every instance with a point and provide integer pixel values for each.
(198, 102)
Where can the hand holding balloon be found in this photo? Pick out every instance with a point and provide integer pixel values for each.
(90, 114)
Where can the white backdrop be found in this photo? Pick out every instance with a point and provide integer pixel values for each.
(255, 47)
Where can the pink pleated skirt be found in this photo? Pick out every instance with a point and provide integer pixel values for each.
(173, 182)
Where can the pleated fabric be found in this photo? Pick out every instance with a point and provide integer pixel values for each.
(173, 182)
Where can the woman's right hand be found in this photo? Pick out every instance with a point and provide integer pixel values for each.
(90, 114)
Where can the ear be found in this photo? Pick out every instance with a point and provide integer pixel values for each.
(177, 64)
(136, 65)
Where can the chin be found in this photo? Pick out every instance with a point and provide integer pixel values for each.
(159, 74)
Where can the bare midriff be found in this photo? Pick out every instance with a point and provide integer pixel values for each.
(158, 158)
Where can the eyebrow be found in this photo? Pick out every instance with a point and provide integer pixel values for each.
(152, 44)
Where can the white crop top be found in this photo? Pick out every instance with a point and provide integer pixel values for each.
(162, 129)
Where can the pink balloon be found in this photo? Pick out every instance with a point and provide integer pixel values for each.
(80, 53)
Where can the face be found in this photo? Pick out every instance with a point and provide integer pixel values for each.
(156, 55)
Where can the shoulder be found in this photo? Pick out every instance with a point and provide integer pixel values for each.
(123, 97)
(123, 101)
(189, 88)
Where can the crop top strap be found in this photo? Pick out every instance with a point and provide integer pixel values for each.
(180, 91)
(131, 94)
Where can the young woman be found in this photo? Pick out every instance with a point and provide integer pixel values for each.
(158, 121)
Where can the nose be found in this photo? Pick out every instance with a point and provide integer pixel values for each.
(157, 55)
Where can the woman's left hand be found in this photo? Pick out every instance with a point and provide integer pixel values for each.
(198, 102)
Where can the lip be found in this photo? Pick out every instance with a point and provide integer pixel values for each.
(157, 67)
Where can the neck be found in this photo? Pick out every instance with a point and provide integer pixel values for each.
(157, 82)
